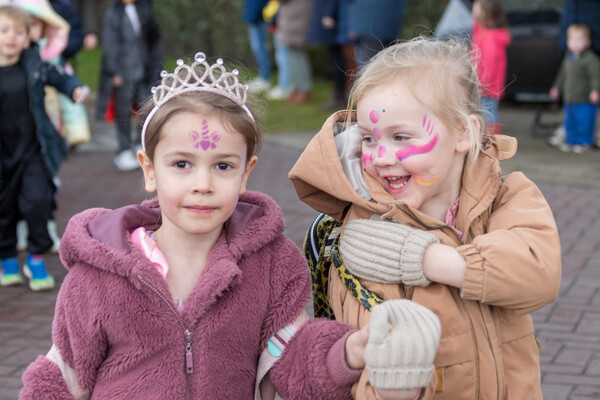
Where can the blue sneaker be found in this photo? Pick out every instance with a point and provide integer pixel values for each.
(35, 270)
(10, 272)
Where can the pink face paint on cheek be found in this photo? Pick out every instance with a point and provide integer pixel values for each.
(428, 124)
(377, 133)
(374, 116)
(410, 151)
(381, 151)
(367, 158)
(205, 139)
(428, 182)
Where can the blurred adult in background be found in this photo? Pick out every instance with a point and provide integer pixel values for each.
(292, 31)
(258, 36)
(66, 10)
(329, 26)
(375, 24)
(283, 89)
(131, 63)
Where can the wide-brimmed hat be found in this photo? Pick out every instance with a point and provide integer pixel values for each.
(43, 10)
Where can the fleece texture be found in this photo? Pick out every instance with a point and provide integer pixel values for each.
(117, 325)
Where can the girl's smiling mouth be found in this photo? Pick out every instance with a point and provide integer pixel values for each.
(396, 184)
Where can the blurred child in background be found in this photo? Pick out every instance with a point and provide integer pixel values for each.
(578, 81)
(490, 38)
(31, 150)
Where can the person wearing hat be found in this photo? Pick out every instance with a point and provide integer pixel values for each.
(31, 150)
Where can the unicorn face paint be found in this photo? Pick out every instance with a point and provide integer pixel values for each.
(407, 149)
(205, 139)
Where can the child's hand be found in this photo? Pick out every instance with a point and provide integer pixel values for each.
(594, 96)
(355, 348)
(80, 94)
(444, 264)
(117, 80)
(554, 93)
(328, 22)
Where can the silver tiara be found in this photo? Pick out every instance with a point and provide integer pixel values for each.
(197, 77)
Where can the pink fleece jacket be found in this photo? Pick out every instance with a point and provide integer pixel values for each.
(117, 327)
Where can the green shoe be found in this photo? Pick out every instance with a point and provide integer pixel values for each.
(10, 274)
(35, 270)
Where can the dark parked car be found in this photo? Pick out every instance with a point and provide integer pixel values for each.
(534, 55)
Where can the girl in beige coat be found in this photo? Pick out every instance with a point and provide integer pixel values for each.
(479, 249)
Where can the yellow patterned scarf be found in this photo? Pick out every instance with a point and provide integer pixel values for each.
(321, 249)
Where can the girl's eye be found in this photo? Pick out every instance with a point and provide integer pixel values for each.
(223, 166)
(181, 164)
(368, 139)
(400, 138)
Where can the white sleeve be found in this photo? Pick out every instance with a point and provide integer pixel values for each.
(68, 374)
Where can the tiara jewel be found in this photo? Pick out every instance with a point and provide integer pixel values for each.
(197, 77)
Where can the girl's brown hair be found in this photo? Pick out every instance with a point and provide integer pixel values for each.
(492, 14)
(226, 110)
(444, 68)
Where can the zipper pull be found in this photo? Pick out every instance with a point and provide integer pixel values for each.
(189, 359)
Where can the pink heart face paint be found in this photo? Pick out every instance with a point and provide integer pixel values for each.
(410, 151)
(205, 140)
(367, 158)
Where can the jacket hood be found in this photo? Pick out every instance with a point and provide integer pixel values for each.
(101, 237)
(335, 150)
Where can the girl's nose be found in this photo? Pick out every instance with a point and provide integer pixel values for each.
(384, 157)
(202, 182)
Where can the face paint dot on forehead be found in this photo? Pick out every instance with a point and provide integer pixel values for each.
(377, 133)
(374, 116)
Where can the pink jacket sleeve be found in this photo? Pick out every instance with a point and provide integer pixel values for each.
(313, 364)
(78, 336)
(43, 380)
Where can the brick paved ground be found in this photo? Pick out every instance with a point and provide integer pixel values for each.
(569, 328)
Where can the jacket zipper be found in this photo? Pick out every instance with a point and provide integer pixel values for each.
(187, 334)
(465, 306)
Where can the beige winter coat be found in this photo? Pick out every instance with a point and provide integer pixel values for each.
(512, 251)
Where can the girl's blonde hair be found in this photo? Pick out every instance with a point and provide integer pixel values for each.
(444, 68)
(16, 14)
(229, 113)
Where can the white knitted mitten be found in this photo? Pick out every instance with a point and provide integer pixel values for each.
(403, 340)
(385, 251)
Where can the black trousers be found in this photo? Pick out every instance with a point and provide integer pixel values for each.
(27, 192)
(129, 93)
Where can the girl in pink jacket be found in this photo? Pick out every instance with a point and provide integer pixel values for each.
(195, 294)
(490, 37)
